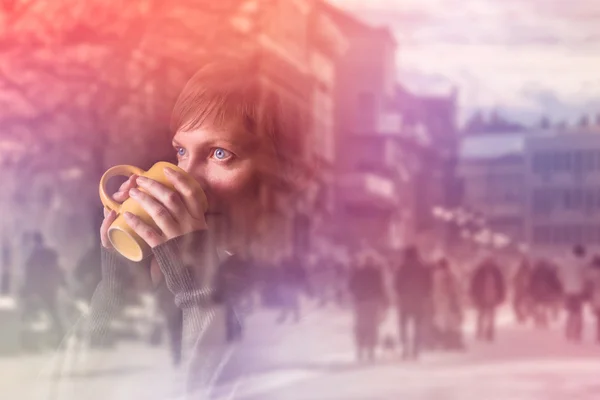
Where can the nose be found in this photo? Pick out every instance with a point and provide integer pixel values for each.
(198, 172)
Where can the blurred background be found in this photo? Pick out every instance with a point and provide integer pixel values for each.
(468, 129)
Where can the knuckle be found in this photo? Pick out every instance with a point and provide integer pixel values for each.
(172, 198)
(150, 234)
(162, 212)
(187, 191)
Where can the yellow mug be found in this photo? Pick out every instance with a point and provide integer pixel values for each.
(122, 237)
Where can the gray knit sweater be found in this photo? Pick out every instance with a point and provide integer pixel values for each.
(189, 265)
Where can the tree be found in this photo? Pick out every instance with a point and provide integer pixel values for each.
(84, 83)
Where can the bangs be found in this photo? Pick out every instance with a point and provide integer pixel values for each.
(219, 97)
(222, 95)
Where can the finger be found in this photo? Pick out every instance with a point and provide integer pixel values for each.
(193, 198)
(110, 218)
(145, 231)
(158, 211)
(123, 193)
(169, 198)
(129, 183)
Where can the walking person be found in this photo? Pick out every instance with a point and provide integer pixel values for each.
(573, 278)
(368, 300)
(446, 307)
(522, 296)
(43, 280)
(545, 289)
(487, 293)
(173, 317)
(234, 283)
(594, 286)
(412, 283)
(293, 279)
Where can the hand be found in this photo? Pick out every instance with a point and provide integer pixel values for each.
(175, 212)
(109, 216)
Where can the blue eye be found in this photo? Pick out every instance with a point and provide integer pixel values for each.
(180, 151)
(221, 154)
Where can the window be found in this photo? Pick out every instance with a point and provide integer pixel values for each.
(577, 199)
(578, 161)
(588, 161)
(557, 162)
(537, 163)
(366, 110)
(589, 203)
(568, 161)
(589, 234)
(567, 198)
(540, 235)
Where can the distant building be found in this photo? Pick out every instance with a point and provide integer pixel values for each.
(492, 172)
(429, 133)
(563, 191)
(367, 207)
(541, 188)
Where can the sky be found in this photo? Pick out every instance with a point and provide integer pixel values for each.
(524, 58)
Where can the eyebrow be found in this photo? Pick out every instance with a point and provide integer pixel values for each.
(241, 145)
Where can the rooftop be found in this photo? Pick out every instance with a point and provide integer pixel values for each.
(496, 145)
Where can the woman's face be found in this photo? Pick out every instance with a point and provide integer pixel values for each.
(227, 162)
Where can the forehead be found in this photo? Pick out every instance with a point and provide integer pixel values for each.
(232, 133)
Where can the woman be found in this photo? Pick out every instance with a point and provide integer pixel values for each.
(230, 131)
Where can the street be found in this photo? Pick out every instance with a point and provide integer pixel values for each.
(316, 361)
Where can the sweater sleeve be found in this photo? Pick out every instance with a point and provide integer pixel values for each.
(189, 264)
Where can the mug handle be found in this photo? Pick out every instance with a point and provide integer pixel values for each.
(119, 170)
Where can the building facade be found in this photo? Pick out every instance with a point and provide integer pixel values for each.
(563, 191)
(366, 212)
(491, 169)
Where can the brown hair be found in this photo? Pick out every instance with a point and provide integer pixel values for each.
(234, 91)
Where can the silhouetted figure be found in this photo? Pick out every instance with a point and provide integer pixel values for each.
(234, 282)
(573, 274)
(594, 282)
(43, 278)
(88, 273)
(413, 290)
(368, 300)
(522, 300)
(545, 290)
(487, 292)
(173, 321)
(292, 281)
(6, 270)
(446, 307)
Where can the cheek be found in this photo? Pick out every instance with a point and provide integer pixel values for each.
(231, 186)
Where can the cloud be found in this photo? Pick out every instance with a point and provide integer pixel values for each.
(492, 22)
(528, 57)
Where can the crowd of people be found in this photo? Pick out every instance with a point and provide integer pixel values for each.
(542, 286)
(428, 297)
